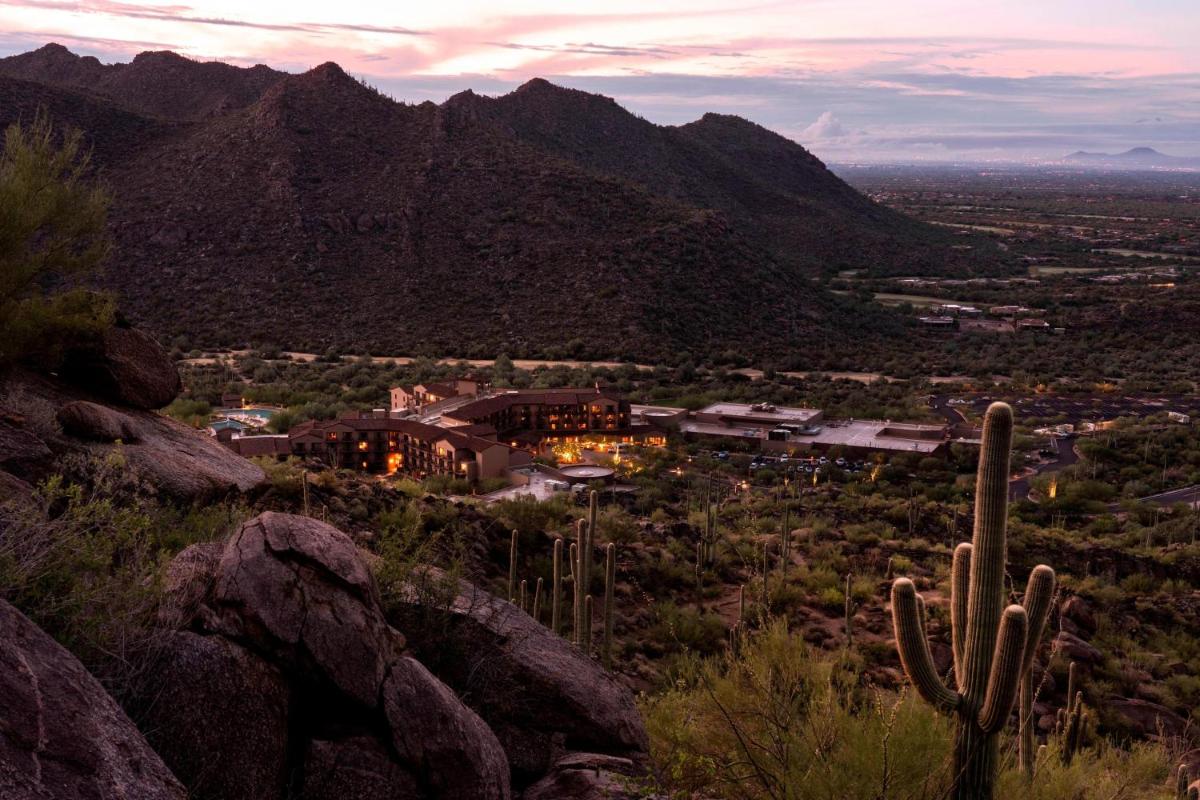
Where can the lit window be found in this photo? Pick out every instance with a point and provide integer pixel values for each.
(362, 445)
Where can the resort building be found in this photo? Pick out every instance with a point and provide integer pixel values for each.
(381, 443)
(411, 398)
(780, 429)
(542, 418)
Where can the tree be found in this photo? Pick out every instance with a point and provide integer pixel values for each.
(52, 229)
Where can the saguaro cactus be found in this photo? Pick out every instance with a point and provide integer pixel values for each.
(993, 645)
(610, 584)
(851, 608)
(512, 569)
(556, 589)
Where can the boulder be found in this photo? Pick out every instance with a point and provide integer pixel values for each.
(1147, 719)
(450, 749)
(587, 776)
(356, 767)
(536, 690)
(202, 684)
(61, 736)
(182, 462)
(1077, 610)
(1075, 649)
(93, 422)
(125, 366)
(297, 591)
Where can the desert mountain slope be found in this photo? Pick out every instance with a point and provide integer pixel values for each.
(312, 211)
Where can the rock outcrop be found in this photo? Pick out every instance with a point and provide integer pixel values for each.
(299, 591)
(61, 736)
(439, 737)
(538, 692)
(587, 776)
(125, 366)
(289, 596)
(1147, 719)
(96, 423)
(211, 696)
(42, 419)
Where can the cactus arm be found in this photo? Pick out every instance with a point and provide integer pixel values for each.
(914, 648)
(1005, 676)
(985, 604)
(960, 574)
(922, 616)
(1039, 591)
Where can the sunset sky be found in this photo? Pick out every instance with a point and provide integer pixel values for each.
(850, 79)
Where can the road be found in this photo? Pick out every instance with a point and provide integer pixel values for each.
(1188, 494)
(1018, 488)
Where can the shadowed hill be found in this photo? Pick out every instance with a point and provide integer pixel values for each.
(325, 214)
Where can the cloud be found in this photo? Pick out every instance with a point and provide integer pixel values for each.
(187, 15)
(827, 126)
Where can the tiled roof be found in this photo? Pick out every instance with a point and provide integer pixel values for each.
(553, 397)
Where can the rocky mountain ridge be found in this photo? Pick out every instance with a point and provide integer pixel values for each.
(272, 207)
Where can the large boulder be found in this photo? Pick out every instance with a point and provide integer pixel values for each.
(44, 419)
(1072, 648)
(539, 693)
(295, 593)
(1079, 613)
(61, 736)
(1147, 719)
(94, 422)
(297, 590)
(446, 744)
(125, 366)
(218, 716)
(358, 767)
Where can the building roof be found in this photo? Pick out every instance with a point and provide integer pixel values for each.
(251, 446)
(487, 406)
(418, 430)
(760, 413)
(441, 389)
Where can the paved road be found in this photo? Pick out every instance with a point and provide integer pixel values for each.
(1018, 488)
(1188, 494)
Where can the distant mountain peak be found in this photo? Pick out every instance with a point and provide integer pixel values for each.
(536, 84)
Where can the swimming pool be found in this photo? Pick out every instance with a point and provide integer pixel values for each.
(262, 413)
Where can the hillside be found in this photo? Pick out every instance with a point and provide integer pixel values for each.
(770, 186)
(312, 211)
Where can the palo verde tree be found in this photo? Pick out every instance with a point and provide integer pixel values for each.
(993, 645)
(52, 228)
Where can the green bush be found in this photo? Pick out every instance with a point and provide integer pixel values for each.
(52, 227)
(774, 721)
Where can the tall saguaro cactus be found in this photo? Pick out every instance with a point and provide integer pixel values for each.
(993, 644)
(556, 589)
(610, 583)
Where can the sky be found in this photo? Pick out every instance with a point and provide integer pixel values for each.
(852, 80)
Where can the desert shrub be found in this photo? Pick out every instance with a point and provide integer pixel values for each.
(775, 720)
(684, 629)
(52, 227)
(84, 560)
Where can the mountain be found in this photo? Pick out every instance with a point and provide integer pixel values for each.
(1134, 158)
(155, 83)
(766, 184)
(311, 211)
